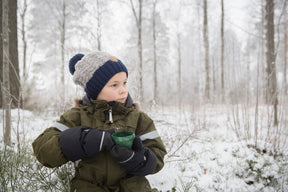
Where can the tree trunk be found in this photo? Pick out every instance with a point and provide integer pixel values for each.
(206, 46)
(138, 20)
(6, 74)
(13, 56)
(155, 53)
(222, 52)
(271, 65)
(23, 33)
(179, 83)
(1, 52)
(285, 54)
(99, 33)
(140, 50)
(63, 30)
(263, 73)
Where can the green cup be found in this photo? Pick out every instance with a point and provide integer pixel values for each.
(124, 138)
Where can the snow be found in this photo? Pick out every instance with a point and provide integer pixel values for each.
(204, 153)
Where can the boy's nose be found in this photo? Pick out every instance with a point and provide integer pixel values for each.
(123, 89)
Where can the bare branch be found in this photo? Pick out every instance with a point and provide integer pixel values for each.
(134, 12)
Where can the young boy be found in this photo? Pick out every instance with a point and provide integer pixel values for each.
(83, 133)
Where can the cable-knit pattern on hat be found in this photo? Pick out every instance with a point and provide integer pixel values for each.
(86, 67)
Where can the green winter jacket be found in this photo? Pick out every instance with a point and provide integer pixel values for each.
(101, 172)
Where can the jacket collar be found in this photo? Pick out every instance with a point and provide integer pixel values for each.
(87, 101)
(102, 105)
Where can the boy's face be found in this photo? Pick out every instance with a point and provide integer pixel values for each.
(115, 89)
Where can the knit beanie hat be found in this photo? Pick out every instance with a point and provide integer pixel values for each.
(94, 70)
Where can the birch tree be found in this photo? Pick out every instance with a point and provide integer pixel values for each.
(160, 42)
(1, 52)
(155, 97)
(179, 63)
(285, 53)
(99, 33)
(270, 56)
(138, 20)
(13, 56)
(62, 27)
(206, 47)
(6, 78)
(97, 10)
(22, 14)
(222, 52)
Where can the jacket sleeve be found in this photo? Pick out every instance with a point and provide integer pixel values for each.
(46, 146)
(151, 139)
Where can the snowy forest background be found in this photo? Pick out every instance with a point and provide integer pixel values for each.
(172, 47)
(180, 54)
(209, 72)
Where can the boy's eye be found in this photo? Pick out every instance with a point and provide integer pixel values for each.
(117, 84)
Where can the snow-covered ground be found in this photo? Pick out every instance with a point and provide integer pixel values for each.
(204, 153)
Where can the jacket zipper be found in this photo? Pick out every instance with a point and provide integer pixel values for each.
(110, 115)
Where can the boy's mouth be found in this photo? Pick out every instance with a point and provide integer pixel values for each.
(122, 99)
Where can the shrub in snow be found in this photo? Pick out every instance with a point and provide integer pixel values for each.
(22, 172)
(262, 169)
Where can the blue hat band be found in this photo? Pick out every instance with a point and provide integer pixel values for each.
(102, 75)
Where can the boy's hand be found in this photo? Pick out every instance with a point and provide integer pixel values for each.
(82, 141)
(138, 161)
